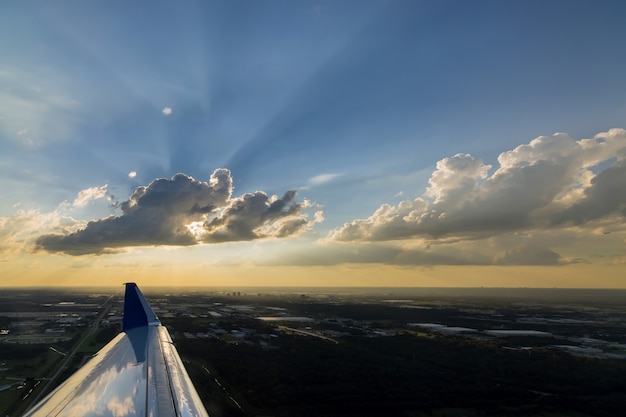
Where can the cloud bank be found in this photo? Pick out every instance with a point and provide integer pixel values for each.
(183, 211)
(553, 201)
(552, 182)
(539, 205)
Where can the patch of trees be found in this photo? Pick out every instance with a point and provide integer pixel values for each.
(19, 352)
(215, 402)
(66, 345)
(5, 322)
(106, 334)
(406, 375)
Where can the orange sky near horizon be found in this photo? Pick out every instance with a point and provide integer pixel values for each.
(51, 272)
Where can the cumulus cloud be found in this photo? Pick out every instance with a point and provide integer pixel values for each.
(183, 211)
(166, 111)
(90, 194)
(542, 197)
(606, 194)
(18, 231)
(550, 182)
(255, 216)
(132, 174)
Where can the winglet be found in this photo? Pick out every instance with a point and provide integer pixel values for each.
(137, 311)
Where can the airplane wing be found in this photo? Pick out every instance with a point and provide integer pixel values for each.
(138, 373)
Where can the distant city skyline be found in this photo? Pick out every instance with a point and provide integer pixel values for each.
(313, 143)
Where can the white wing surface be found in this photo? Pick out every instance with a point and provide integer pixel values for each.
(138, 373)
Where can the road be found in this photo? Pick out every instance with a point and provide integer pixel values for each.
(92, 329)
(308, 333)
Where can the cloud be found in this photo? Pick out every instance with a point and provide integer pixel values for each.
(18, 231)
(606, 194)
(90, 194)
(545, 203)
(154, 215)
(255, 216)
(547, 183)
(183, 211)
(166, 111)
(132, 174)
(323, 179)
(519, 249)
(529, 255)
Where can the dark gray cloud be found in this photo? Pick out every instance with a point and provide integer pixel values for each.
(605, 195)
(491, 252)
(254, 216)
(529, 255)
(162, 213)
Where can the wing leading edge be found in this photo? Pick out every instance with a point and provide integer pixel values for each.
(138, 373)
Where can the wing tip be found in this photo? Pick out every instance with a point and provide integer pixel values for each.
(137, 311)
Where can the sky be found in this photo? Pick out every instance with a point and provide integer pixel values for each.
(440, 143)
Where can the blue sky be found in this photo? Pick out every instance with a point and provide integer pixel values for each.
(351, 103)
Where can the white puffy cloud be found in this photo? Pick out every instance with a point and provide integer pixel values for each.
(543, 188)
(17, 232)
(547, 183)
(132, 174)
(166, 111)
(90, 194)
(455, 178)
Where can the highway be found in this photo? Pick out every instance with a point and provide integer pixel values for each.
(68, 357)
(308, 333)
